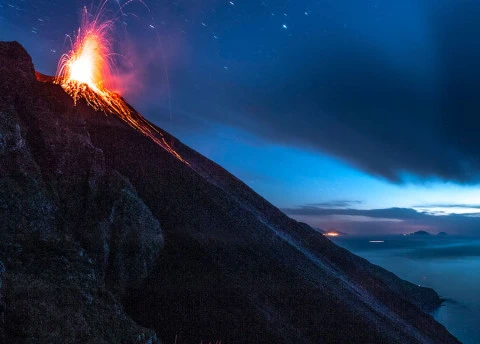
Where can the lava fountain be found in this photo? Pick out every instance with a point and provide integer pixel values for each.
(87, 72)
(88, 68)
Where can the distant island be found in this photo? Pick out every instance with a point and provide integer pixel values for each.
(425, 233)
(420, 233)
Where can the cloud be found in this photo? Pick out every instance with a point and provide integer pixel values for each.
(445, 209)
(385, 221)
(336, 204)
(396, 99)
(452, 205)
(389, 213)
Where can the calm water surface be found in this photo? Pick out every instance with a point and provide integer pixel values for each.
(450, 265)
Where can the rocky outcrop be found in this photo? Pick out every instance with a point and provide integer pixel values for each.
(54, 295)
(82, 198)
(131, 236)
(55, 190)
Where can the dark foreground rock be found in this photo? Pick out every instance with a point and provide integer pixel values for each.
(82, 200)
(74, 235)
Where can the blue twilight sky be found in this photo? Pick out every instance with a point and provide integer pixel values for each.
(357, 115)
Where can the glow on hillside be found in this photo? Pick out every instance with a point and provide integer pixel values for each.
(89, 68)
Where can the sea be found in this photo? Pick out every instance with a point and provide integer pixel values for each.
(448, 264)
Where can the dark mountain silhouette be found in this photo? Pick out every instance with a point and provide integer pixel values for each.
(105, 237)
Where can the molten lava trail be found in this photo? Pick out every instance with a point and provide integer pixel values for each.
(87, 70)
(111, 103)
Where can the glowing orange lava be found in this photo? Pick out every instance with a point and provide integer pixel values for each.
(82, 67)
(88, 70)
(332, 234)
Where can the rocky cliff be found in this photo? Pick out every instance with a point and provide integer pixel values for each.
(74, 234)
(106, 237)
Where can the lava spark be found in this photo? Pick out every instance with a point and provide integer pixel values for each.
(88, 71)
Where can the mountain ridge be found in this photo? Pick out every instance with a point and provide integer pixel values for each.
(212, 259)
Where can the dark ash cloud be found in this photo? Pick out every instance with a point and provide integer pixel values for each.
(397, 99)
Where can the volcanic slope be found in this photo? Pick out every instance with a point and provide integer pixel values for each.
(107, 237)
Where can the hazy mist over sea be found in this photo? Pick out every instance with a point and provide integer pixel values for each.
(450, 265)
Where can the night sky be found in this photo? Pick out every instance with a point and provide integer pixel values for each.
(357, 115)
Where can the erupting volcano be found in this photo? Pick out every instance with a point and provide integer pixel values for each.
(87, 72)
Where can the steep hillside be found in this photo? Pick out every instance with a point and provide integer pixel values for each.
(83, 197)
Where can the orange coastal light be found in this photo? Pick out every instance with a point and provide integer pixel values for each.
(331, 234)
